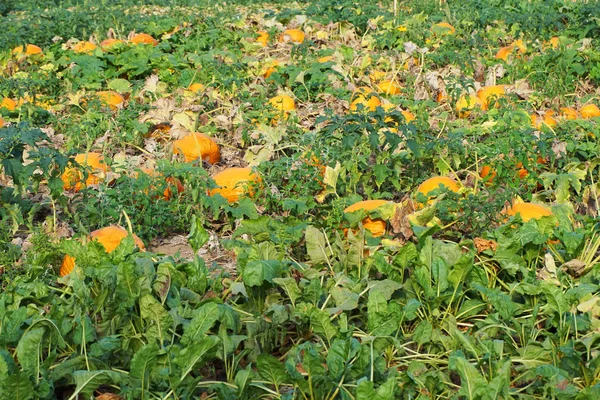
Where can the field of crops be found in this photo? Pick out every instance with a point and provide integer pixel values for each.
(315, 200)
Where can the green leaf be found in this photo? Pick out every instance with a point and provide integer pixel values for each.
(88, 381)
(142, 363)
(316, 246)
(120, 85)
(198, 235)
(17, 387)
(256, 272)
(199, 353)
(339, 355)
(29, 350)
(423, 332)
(290, 286)
(204, 319)
(321, 324)
(472, 384)
(242, 379)
(158, 320)
(271, 370)
(344, 298)
(84, 331)
(500, 301)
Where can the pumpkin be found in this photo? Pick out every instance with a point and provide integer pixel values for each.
(569, 113)
(537, 121)
(2, 122)
(325, 59)
(377, 75)
(8, 103)
(234, 183)
(263, 38)
(282, 103)
(172, 182)
(270, 68)
(143, 38)
(434, 183)
(198, 145)
(366, 97)
(487, 173)
(84, 47)
(107, 44)
(589, 111)
(528, 211)
(388, 87)
(292, 35)
(488, 93)
(376, 226)
(443, 28)
(110, 237)
(111, 98)
(465, 104)
(73, 178)
(554, 42)
(506, 51)
(30, 50)
(195, 87)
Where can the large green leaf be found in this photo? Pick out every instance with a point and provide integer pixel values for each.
(204, 318)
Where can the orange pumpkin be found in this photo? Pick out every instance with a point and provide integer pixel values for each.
(569, 113)
(84, 47)
(487, 174)
(198, 145)
(111, 98)
(143, 38)
(589, 111)
(366, 97)
(2, 122)
(195, 87)
(283, 103)
(376, 226)
(537, 121)
(433, 183)
(73, 178)
(292, 35)
(8, 103)
(30, 50)
(263, 38)
(110, 237)
(488, 93)
(271, 67)
(107, 44)
(234, 183)
(528, 211)
(465, 104)
(389, 87)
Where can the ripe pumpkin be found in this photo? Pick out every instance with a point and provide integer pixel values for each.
(325, 59)
(389, 87)
(487, 173)
(195, 87)
(554, 42)
(8, 103)
(110, 237)
(506, 51)
(111, 98)
(376, 226)
(589, 111)
(143, 38)
(73, 178)
(107, 44)
(366, 97)
(292, 35)
(443, 28)
(488, 93)
(569, 113)
(271, 67)
(528, 211)
(465, 104)
(283, 103)
(234, 183)
(2, 122)
(433, 183)
(198, 145)
(263, 38)
(84, 47)
(537, 121)
(30, 50)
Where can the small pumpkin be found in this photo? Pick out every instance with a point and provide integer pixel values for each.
(589, 111)
(271, 67)
(435, 182)
(198, 145)
(8, 103)
(488, 93)
(292, 35)
(110, 237)
(465, 104)
(111, 98)
(389, 87)
(73, 178)
(234, 183)
(2, 122)
(84, 47)
(143, 38)
(30, 50)
(366, 97)
(282, 103)
(528, 211)
(195, 87)
(537, 121)
(108, 44)
(487, 173)
(263, 38)
(377, 226)
(569, 113)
